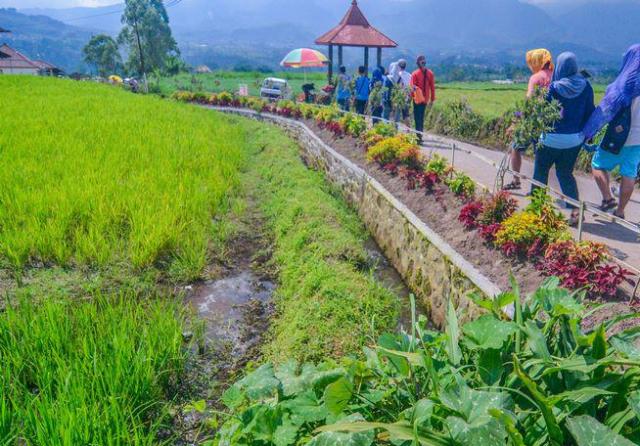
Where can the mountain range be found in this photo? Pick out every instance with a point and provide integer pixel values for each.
(223, 33)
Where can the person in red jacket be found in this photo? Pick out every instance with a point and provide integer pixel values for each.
(423, 84)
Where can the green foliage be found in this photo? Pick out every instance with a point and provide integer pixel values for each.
(457, 118)
(101, 177)
(89, 372)
(102, 53)
(534, 117)
(147, 36)
(538, 380)
(327, 301)
(461, 184)
(353, 124)
(438, 165)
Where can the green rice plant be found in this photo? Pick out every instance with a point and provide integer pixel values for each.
(100, 176)
(88, 372)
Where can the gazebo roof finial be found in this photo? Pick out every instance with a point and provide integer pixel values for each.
(354, 30)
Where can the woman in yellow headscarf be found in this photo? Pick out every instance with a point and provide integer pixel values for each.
(540, 63)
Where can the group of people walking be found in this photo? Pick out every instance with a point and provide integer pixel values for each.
(418, 86)
(563, 82)
(581, 121)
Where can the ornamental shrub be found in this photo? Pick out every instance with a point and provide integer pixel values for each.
(400, 147)
(469, 215)
(353, 124)
(496, 208)
(462, 185)
(583, 265)
(438, 165)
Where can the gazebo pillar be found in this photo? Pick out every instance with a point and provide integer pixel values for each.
(366, 59)
(379, 57)
(330, 63)
(339, 56)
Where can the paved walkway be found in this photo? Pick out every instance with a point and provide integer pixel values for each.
(623, 243)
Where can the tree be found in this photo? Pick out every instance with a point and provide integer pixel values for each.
(102, 53)
(147, 36)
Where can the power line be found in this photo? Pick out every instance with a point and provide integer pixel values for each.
(169, 4)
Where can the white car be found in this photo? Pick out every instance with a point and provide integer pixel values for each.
(275, 89)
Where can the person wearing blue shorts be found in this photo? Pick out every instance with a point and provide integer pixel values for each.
(623, 92)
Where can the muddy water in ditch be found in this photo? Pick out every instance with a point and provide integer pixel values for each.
(387, 275)
(235, 308)
(232, 309)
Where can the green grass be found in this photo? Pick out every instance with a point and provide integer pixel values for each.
(219, 81)
(81, 373)
(102, 177)
(488, 99)
(328, 303)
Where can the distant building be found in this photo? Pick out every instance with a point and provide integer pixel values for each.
(503, 81)
(47, 69)
(203, 69)
(14, 62)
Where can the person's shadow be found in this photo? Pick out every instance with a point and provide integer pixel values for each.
(612, 231)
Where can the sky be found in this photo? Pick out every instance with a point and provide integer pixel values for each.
(54, 3)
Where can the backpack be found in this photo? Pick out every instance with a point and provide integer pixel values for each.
(618, 131)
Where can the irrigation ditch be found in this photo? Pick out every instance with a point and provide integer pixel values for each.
(431, 268)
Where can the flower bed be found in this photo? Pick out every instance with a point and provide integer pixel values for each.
(537, 235)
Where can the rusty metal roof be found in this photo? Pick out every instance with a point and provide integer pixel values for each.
(14, 59)
(355, 30)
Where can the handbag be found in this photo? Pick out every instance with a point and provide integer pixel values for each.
(618, 131)
(418, 94)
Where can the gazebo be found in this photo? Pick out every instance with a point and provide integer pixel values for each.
(355, 31)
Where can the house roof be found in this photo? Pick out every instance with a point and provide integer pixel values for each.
(354, 30)
(14, 59)
(43, 65)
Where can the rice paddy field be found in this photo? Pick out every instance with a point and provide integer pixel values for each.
(112, 205)
(103, 179)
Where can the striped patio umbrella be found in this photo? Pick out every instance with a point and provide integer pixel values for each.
(304, 58)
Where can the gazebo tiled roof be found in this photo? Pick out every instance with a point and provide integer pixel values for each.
(355, 30)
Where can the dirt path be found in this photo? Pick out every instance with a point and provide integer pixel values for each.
(624, 244)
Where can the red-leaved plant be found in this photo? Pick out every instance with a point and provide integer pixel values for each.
(496, 208)
(469, 215)
(583, 265)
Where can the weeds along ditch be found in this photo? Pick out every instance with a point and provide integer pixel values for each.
(112, 205)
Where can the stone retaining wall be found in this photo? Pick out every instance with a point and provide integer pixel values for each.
(431, 268)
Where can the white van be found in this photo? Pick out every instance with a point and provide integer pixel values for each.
(275, 89)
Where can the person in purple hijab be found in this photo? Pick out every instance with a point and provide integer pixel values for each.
(623, 93)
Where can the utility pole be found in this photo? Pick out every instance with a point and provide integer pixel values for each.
(142, 68)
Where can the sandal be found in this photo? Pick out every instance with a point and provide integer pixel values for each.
(615, 214)
(514, 185)
(607, 205)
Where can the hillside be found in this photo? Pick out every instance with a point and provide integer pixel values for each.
(222, 33)
(41, 37)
